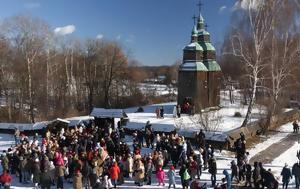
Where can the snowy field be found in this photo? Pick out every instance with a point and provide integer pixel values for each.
(224, 119)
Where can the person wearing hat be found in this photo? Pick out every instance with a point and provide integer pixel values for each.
(138, 171)
(77, 179)
(114, 172)
(36, 171)
(286, 176)
(171, 176)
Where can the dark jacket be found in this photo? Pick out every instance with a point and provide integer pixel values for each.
(212, 166)
(296, 170)
(45, 179)
(286, 174)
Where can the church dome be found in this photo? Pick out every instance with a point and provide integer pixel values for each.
(203, 32)
(207, 46)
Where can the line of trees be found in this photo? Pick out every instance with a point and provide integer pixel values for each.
(262, 52)
(43, 76)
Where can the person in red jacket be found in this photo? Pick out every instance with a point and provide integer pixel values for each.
(114, 172)
(5, 179)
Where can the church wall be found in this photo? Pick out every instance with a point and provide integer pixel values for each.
(205, 38)
(186, 85)
(193, 85)
(209, 55)
(201, 99)
(214, 85)
(192, 55)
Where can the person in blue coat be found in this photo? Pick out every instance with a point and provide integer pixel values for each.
(171, 176)
(228, 179)
(286, 176)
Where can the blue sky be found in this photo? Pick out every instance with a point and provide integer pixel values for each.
(152, 31)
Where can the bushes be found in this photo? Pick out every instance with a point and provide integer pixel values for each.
(237, 114)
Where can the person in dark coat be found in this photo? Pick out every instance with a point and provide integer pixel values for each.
(296, 173)
(86, 172)
(234, 171)
(36, 171)
(295, 127)
(212, 169)
(162, 112)
(286, 176)
(45, 179)
(269, 180)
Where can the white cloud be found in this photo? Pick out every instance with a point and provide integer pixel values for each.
(246, 4)
(100, 36)
(221, 9)
(118, 37)
(65, 30)
(32, 5)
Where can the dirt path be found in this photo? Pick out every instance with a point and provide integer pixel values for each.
(276, 149)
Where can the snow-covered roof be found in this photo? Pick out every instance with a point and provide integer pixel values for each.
(192, 66)
(24, 126)
(108, 113)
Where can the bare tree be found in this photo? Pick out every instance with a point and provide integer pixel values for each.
(249, 45)
(27, 34)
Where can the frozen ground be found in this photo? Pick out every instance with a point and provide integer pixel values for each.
(223, 119)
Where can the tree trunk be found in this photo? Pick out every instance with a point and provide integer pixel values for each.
(251, 103)
(31, 105)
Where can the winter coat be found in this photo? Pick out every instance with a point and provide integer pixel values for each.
(77, 181)
(212, 166)
(45, 179)
(256, 174)
(114, 172)
(22, 165)
(5, 179)
(86, 169)
(5, 162)
(296, 170)
(171, 177)
(58, 160)
(160, 175)
(60, 171)
(36, 171)
(138, 170)
(228, 179)
(193, 167)
(129, 165)
(286, 174)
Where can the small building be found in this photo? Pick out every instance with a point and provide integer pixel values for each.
(107, 116)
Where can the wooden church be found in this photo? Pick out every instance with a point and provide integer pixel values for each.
(199, 77)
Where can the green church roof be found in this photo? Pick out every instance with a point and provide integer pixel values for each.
(193, 46)
(207, 46)
(200, 19)
(212, 65)
(195, 31)
(192, 66)
(203, 32)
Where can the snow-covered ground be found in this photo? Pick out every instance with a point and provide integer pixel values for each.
(157, 89)
(224, 119)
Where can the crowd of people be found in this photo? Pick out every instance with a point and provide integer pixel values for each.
(96, 156)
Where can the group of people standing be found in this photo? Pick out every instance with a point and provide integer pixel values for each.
(94, 157)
